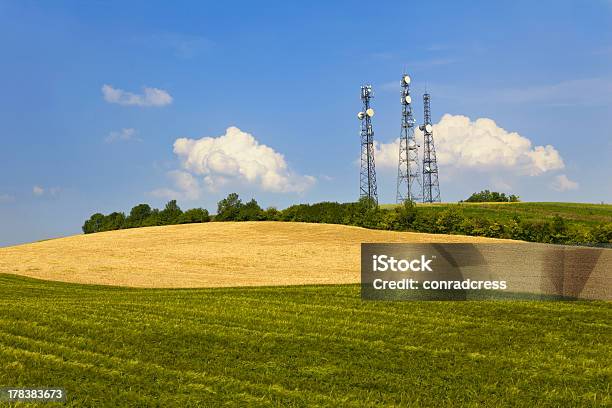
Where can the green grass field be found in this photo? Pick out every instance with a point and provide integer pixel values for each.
(299, 346)
(577, 214)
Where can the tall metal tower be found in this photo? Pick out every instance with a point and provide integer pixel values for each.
(367, 176)
(408, 182)
(431, 187)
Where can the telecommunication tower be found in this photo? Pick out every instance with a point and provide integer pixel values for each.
(431, 187)
(367, 176)
(408, 182)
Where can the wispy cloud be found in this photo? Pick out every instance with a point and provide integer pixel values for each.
(184, 46)
(186, 187)
(590, 91)
(149, 97)
(562, 183)
(6, 198)
(40, 191)
(571, 92)
(437, 47)
(123, 135)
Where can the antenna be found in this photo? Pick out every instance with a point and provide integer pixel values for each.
(408, 182)
(367, 176)
(431, 186)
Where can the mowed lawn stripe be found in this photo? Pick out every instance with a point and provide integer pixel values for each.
(299, 346)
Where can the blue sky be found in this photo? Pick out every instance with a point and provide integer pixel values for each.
(288, 73)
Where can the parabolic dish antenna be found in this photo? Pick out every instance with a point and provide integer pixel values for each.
(360, 115)
(428, 128)
(408, 99)
(370, 112)
(406, 79)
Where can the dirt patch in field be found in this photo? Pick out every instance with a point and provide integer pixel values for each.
(217, 254)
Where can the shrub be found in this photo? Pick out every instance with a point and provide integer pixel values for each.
(405, 215)
(601, 234)
(194, 215)
(449, 220)
(250, 211)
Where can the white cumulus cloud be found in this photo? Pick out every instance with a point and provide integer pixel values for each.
(238, 156)
(38, 190)
(149, 97)
(479, 145)
(562, 183)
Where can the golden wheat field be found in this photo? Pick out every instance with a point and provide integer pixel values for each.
(215, 254)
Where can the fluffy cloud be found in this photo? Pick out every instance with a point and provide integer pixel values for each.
(562, 183)
(237, 155)
(479, 145)
(150, 97)
(38, 190)
(122, 135)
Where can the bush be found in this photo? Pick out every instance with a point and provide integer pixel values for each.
(94, 223)
(271, 214)
(449, 221)
(601, 234)
(138, 215)
(194, 215)
(250, 211)
(405, 215)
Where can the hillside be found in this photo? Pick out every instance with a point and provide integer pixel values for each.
(299, 346)
(213, 254)
(577, 214)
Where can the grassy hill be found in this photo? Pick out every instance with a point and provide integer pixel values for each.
(300, 345)
(208, 255)
(577, 214)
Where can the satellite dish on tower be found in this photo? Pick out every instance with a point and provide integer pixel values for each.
(408, 99)
(360, 115)
(370, 112)
(406, 79)
(428, 128)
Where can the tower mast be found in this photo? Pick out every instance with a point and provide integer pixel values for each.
(431, 186)
(408, 182)
(367, 176)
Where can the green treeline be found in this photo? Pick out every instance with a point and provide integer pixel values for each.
(486, 196)
(144, 216)
(406, 217)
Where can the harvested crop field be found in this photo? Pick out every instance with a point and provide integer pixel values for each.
(216, 254)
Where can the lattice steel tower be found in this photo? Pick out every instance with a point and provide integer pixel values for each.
(408, 182)
(367, 176)
(431, 187)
